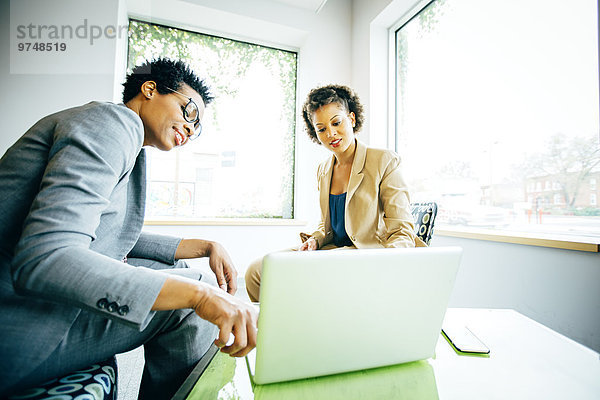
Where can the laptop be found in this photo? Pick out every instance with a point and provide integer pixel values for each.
(328, 312)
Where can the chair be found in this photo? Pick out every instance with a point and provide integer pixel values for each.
(97, 382)
(424, 215)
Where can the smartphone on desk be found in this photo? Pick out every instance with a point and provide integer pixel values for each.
(463, 340)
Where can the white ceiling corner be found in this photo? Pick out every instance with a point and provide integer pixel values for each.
(311, 5)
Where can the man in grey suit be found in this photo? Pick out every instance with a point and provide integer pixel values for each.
(79, 281)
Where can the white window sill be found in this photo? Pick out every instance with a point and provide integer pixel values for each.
(551, 240)
(225, 222)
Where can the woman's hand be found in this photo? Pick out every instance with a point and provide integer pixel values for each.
(219, 260)
(309, 245)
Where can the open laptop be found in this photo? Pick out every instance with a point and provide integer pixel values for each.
(327, 312)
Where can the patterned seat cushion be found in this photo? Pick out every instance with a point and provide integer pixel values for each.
(97, 382)
(424, 215)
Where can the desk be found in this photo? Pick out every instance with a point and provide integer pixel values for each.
(527, 361)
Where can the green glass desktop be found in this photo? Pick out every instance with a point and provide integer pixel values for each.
(527, 361)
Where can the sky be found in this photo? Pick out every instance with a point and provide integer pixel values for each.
(495, 79)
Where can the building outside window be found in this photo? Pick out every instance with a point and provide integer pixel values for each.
(557, 199)
(497, 113)
(242, 165)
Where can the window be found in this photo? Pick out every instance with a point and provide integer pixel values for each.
(497, 113)
(557, 198)
(243, 163)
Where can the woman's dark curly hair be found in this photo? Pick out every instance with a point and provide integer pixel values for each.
(166, 73)
(324, 95)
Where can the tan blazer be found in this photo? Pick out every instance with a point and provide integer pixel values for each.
(377, 202)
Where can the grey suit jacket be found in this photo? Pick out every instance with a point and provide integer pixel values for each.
(72, 191)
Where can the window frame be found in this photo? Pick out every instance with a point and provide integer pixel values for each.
(523, 238)
(229, 221)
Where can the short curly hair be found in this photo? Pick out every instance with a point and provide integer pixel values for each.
(166, 73)
(324, 95)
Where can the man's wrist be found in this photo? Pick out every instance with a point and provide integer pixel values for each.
(180, 292)
(199, 296)
(207, 247)
(193, 248)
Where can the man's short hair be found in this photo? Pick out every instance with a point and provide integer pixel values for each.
(167, 74)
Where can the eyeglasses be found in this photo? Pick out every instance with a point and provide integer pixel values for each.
(190, 113)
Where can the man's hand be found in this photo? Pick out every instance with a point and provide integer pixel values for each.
(309, 245)
(219, 260)
(221, 265)
(231, 315)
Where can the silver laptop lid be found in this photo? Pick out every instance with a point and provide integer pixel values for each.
(326, 312)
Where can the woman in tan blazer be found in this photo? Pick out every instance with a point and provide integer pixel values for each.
(363, 197)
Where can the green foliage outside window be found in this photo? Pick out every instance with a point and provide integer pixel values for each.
(239, 125)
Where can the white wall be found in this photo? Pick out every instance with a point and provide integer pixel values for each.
(558, 288)
(28, 97)
(371, 20)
